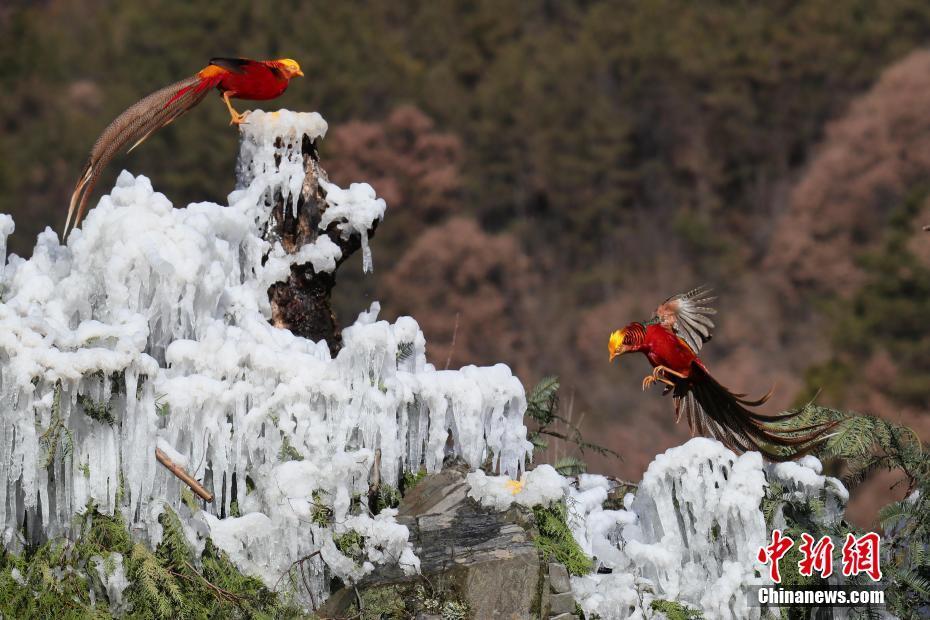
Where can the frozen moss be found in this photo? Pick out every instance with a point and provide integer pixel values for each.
(104, 573)
(555, 539)
(675, 611)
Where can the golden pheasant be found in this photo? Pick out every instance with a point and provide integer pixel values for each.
(235, 78)
(671, 341)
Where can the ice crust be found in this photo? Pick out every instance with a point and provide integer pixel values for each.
(113, 579)
(159, 316)
(689, 534)
(540, 486)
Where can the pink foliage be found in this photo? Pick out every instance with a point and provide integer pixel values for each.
(869, 159)
(466, 285)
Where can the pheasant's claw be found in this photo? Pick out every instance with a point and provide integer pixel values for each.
(648, 380)
(666, 371)
(239, 119)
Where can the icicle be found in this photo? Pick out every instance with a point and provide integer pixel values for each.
(6, 229)
(356, 209)
(150, 329)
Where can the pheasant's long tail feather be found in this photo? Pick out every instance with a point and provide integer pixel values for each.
(715, 411)
(132, 127)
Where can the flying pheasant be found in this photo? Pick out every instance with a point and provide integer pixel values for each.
(671, 340)
(235, 78)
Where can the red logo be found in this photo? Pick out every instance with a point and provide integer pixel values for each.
(817, 557)
(860, 555)
(774, 552)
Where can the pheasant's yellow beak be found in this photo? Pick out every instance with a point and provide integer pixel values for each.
(615, 346)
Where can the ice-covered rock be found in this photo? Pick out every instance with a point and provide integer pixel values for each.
(539, 486)
(699, 525)
(150, 329)
(689, 534)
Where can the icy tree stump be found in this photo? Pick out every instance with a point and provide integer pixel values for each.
(302, 303)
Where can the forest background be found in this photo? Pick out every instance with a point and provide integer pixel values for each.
(554, 170)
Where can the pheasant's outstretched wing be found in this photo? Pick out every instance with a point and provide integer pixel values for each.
(136, 124)
(687, 315)
(714, 411)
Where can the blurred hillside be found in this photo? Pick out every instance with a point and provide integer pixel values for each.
(554, 170)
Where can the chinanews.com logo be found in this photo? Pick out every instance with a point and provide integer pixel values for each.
(860, 555)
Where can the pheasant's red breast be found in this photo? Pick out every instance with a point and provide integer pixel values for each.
(665, 348)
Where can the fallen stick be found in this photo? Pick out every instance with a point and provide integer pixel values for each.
(182, 475)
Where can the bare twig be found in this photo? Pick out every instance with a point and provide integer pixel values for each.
(203, 456)
(305, 578)
(219, 592)
(376, 473)
(455, 331)
(624, 483)
(296, 563)
(183, 476)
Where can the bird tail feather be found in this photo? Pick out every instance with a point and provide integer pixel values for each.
(713, 410)
(133, 126)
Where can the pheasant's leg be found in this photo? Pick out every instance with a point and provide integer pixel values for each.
(653, 378)
(236, 118)
(666, 370)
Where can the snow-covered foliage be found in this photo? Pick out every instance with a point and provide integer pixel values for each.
(803, 480)
(150, 328)
(690, 533)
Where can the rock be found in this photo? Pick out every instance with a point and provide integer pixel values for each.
(503, 588)
(477, 556)
(558, 578)
(436, 493)
(544, 595)
(564, 617)
(561, 604)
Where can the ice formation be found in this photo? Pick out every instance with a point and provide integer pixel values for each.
(113, 578)
(690, 533)
(150, 328)
(540, 486)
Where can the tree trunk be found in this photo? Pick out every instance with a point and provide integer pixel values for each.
(302, 303)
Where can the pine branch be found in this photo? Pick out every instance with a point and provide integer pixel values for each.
(570, 466)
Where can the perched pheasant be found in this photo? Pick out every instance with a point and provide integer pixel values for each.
(235, 78)
(671, 340)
